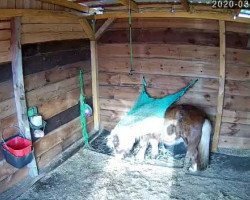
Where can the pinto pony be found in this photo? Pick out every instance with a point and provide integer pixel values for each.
(181, 122)
(190, 124)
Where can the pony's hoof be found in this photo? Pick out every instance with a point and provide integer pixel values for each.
(193, 168)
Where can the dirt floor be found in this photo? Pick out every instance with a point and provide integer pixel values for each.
(88, 175)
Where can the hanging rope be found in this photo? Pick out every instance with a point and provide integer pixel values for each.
(130, 39)
(82, 111)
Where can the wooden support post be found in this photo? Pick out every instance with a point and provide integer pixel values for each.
(18, 84)
(104, 27)
(95, 84)
(221, 92)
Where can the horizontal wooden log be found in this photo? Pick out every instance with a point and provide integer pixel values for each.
(160, 66)
(235, 130)
(172, 83)
(48, 92)
(46, 61)
(28, 38)
(40, 95)
(162, 35)
(31, 50)
(4, 25)
(7, 108)
(39, 28)
(130, 93)
(174, 51)
(239, 103)
(237, 27)
(240, 88)
(5, 123)
(48, 19)
(47, 77)
(235, 116)
(6, 170)
(6, 90)
(61, 103)
(5, 57)
(201, 24)
(5, 35)
(13, 179)
(52, 150)
(57, 136)
(232, 142)
(236, 72)
(5, 46)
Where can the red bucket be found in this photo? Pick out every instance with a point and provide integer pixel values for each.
(17, 145)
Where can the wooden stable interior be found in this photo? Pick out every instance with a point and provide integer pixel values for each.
(173, 43)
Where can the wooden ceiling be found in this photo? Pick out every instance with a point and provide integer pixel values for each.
(104, 9)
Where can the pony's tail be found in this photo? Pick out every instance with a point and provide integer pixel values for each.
(204, 145)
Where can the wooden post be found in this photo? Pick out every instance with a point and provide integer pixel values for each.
(18, 84)
(221, 92)
(95, 84)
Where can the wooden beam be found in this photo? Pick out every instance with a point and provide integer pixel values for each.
(9, 13)
(185, 5)
(18, 83)
(133, 4)
(95, 84)
(68, 4)
(103, 28)
(87, 28)
(221, 92)
(195, 15)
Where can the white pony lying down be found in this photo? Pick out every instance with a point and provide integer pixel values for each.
(181, 123)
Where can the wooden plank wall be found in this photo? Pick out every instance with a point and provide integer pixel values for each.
(235, 130)
(51, 83)
(28, 4)
(48, 28)
(5, 41)
(169, 53)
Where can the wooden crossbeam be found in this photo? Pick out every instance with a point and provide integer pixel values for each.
(87, 28)
(133, 4)
(68, 4)
(185, 5)
(9, 13)
(195, 15)
(18, 83)
(104, 27)
(221, 92)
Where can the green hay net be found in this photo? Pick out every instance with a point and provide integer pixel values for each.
(148, 112)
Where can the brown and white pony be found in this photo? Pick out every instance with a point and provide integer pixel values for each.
(190, 124)
(181, 122)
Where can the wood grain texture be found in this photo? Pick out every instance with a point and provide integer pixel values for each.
(221, 91)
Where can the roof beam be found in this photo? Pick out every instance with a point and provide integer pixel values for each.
(195, 15)
(87, 28)
(133, 4)
(68, 4)
(185, 5)
(9, 13)
(104, 27)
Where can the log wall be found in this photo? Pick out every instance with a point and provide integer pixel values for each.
(50, 28)
(28, 4)
(169, 53)
(51, 83)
